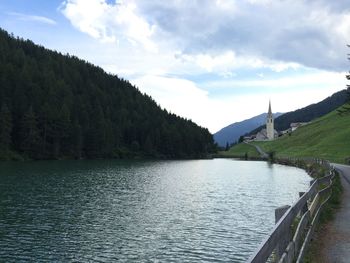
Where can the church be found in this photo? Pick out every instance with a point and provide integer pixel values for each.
(269, 133)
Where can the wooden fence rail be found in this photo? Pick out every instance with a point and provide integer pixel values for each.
(284, 246)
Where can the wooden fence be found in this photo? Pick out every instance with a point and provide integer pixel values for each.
(295, 225)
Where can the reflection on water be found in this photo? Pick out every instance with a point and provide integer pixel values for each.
(167, 211)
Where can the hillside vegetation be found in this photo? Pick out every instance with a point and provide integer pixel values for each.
(56, 106)
(309, 112)
(327, 137)
(231, 133)
(241, 150)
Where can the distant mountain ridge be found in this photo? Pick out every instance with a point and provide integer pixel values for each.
(308, 113)
(232, 132)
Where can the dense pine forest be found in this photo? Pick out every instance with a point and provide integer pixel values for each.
(55, 106)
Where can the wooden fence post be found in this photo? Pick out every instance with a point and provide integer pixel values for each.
(305, 208)
(286, 235)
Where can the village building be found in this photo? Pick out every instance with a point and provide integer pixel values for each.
(296, 125)
(269, 133)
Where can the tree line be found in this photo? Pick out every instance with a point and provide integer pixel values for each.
(308, 113)
(58, 106)
(346, 108)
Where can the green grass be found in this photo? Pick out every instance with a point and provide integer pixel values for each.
(327, 137)
(327, 214)
(333, 204)
(240, 150)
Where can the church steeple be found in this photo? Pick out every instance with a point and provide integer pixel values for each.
(269, 113)
(270, 131)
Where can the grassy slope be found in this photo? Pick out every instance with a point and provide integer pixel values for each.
(239, 150)
(327, 137)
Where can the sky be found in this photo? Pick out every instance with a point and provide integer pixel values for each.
(212, 61)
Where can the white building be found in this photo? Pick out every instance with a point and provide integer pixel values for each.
(296, 125)
(269, 133)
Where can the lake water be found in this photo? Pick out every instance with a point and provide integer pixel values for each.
(140, 211)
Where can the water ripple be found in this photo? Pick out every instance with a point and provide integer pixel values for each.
(167, 211)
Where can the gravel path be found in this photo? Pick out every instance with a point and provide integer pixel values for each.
(260, 151)
(336, 247)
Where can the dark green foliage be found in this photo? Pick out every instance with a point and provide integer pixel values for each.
(246, 156)
(5, 128)
(308, 113)
(271, 156)
(346, 108)
(227, 146)
(327, 214)
(56, 106)
(29, 134)
(334, 201)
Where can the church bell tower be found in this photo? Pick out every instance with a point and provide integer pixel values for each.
(270, 131)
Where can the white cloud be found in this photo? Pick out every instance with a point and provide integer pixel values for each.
(186, 99)
(33, 18)
(260, 2)
(110, 22)
(343, 27)
(312, 33)
(179, 96)
(314, 80)
(223, 34)
(219, 62)
(160, 45)
(228, 61)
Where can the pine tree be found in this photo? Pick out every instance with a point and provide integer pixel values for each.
(77, 140)
(61, 106)
(96, 136)
(148, 146)
(5, 128)
(30, 136)
(346, 107)
(44, 124)
(63, 130)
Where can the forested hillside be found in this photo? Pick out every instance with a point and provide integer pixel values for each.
(326, 138)
(310, 112)
(55, 106)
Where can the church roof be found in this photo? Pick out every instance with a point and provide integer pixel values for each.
(269, 113)
(262, 135)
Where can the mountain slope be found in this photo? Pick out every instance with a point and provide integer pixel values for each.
(232, 132)
(326, 137)
(308, 113)
(55, 106)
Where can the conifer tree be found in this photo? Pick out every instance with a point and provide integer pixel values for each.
(30, 137)
(77, 140)
(227, 147)
(60, 106)
(5, 128)
(346, 106)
